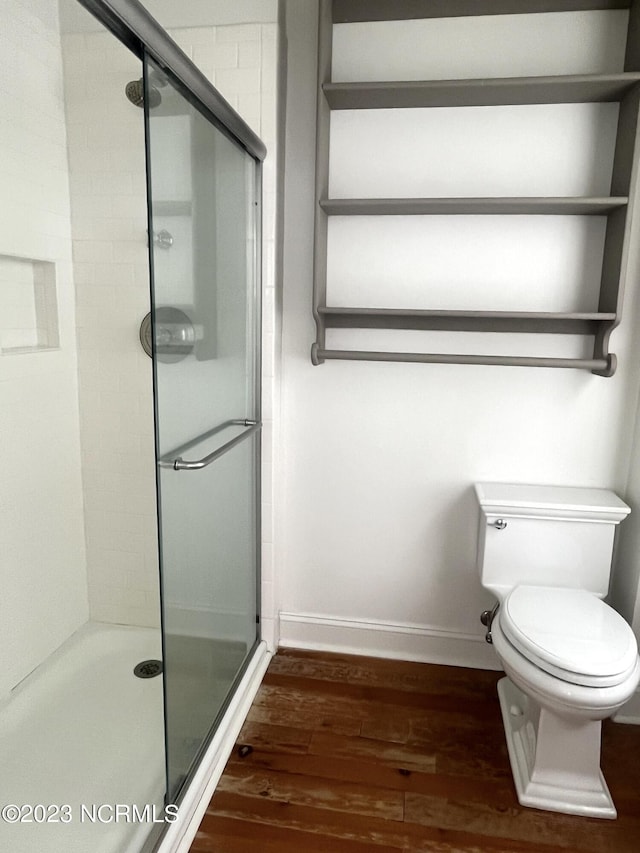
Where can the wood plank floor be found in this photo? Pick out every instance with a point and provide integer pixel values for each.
(348, 754)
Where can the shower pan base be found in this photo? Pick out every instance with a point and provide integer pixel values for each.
(76, 734)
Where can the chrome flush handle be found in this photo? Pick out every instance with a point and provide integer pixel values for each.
(499, 524)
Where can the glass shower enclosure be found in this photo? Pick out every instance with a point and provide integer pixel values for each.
(203, 333)
(204, 213)
(129, 502)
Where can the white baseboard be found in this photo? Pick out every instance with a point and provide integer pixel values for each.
(180, 834)
(386, 640)
(630, 711)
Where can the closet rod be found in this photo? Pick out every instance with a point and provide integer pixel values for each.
(319, 355)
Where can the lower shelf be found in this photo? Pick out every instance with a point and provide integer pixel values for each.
(600, 366)
(598, 325)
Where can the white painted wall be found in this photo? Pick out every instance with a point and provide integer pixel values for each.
(42, 549)
(625, 582)
(484, 46)
(624, 590)
(379, 517)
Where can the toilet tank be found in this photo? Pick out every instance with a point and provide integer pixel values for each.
(546, 536)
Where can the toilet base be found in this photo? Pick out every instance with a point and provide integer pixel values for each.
(555, 761)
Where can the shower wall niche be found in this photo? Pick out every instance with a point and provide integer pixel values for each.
(28, 305)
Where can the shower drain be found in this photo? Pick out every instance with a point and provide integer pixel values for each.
(148, 668)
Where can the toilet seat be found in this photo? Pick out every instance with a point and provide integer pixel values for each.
(570, 634)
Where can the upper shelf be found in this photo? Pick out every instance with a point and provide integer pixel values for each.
(563, 206)
(352, 11)
(494, 91)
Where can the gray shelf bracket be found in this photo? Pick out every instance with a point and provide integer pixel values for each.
(601, 351)
(315, 356)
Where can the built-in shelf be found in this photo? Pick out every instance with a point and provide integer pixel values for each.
(29, 320)
(562, 206)
(502, 91)
(622, 87)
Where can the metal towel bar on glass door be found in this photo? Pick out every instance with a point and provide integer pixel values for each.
(175, 461)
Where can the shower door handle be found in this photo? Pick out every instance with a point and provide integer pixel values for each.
(180, 464)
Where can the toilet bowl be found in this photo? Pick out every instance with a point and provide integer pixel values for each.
(565, 690)
(570, 660)
(552, 728)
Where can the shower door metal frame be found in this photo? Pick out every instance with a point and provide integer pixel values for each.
(135, 27)
(132, 24)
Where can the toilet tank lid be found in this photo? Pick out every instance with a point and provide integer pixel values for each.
(551, 501)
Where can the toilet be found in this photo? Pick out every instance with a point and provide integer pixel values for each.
(570, 660)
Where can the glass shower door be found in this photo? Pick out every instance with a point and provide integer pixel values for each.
(204, 221)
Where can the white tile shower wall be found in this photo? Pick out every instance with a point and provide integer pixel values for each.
(108, 202)
(42, 550)
(109, 219)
